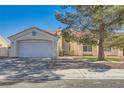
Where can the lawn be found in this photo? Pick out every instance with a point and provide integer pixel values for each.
(94, 58)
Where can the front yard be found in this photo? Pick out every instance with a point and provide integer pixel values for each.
(19, 70)
(108, 58)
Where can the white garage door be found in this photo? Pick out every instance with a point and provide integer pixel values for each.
(35, 49)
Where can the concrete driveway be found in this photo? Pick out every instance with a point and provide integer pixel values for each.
(33, 69)
(25, 69)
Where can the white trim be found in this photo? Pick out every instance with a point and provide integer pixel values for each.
(27, 31)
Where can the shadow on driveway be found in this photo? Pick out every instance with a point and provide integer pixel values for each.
(16, 70)
(30, 70)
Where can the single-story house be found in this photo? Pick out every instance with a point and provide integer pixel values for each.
(77, 49)
(4, 45)
(35, 42)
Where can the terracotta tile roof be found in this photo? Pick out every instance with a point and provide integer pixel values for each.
(80, 33)
(51, 32)
(119, 33)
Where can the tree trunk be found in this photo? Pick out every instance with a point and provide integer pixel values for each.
(101, 43)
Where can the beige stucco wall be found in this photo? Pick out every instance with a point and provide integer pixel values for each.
(94, 50)
(113, 52)
(60, 47)
(66, 47)
(69, 48)
(120, 53)
(76, 49)
(80, 49)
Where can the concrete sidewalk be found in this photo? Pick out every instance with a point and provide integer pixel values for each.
(90, 74)
(53, 74)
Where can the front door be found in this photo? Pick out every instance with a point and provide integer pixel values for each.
(66, 48)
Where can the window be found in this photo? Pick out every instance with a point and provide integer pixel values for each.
(87, 48)
(107, 49)
(33, 33)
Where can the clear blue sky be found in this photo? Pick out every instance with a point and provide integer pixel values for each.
(14, 19)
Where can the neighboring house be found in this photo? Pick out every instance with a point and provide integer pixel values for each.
(34, 42)
(76, 49)
(4, 45)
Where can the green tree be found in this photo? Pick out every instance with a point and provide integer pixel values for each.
(99, 20)
(118, 42)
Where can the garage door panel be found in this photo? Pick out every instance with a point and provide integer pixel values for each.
(35, 49)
